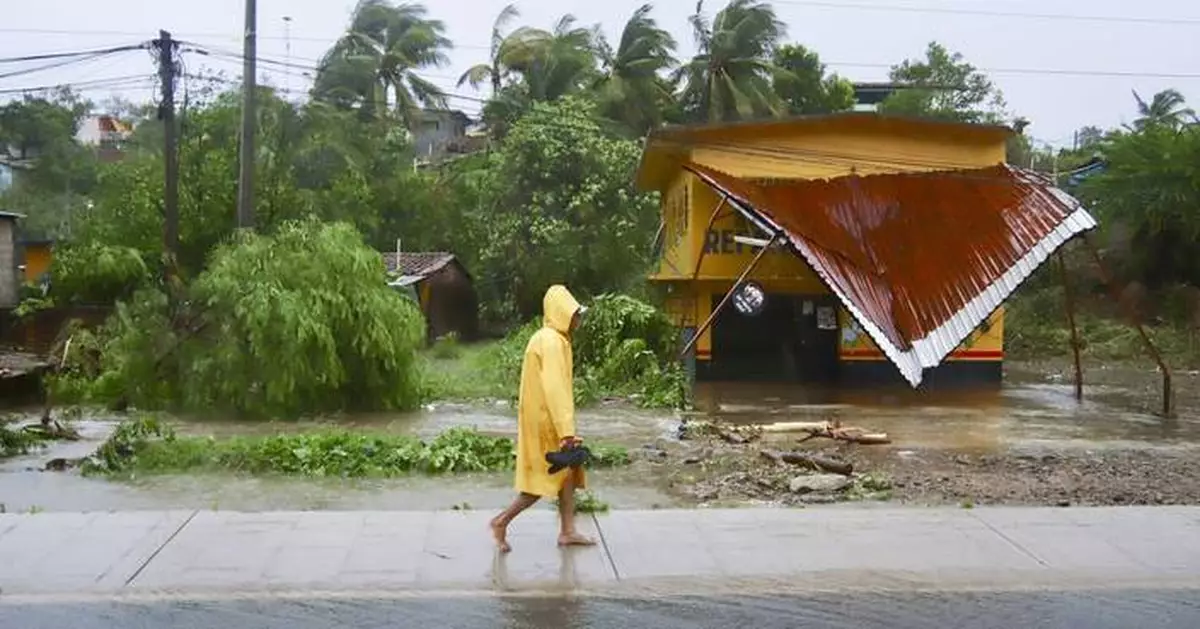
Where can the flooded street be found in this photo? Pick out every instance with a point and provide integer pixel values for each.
(1001, 445)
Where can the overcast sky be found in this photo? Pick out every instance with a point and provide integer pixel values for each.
(855, 38)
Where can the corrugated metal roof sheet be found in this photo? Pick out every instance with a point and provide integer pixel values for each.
(417, 264)
(919, 259)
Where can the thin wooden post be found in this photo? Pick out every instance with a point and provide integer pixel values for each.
(1167, 410)
(712, 218)
(1070, 305)
(712, 316)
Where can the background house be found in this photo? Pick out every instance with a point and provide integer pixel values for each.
(444, 288)
(106, 134)
(8, 260)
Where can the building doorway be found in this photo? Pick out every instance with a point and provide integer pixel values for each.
(793, 339)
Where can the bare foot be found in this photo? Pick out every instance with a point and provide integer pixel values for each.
(500, 533)
(575, 539)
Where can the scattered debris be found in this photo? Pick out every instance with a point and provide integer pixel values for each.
(829, 430)
(812, 461)
(819, 483)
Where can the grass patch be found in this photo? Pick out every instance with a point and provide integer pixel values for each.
(1036, 328)
(146, 446)
(586, 502)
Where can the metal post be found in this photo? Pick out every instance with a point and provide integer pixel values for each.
(1070, 305)
(245, 205)
(712, 316)
(1167, 410)
(712, 218)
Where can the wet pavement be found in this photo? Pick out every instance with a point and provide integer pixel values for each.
(665, 552)
(1088, 609)
(1003, 567)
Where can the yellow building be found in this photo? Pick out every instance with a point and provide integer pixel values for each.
(840, 193)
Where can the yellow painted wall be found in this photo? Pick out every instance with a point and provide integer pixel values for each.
(37, 260)
(677, 258)
(819, 154)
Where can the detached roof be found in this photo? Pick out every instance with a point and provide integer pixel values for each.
(416, 266)
(919, 259)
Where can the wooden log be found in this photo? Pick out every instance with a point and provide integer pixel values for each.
(794, 427)
(811, 461)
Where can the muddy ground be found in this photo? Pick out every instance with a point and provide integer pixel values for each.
(1109, 450)
(718, 474)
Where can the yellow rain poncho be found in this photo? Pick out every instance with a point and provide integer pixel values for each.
(546, 410)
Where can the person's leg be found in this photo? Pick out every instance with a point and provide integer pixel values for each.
(567, 535)
(500, 523)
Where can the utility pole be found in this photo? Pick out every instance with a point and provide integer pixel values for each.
(287, 42)
(167, 71)
(245, 206)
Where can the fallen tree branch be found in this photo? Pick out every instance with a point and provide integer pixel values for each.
(829, 430)
(810, 461)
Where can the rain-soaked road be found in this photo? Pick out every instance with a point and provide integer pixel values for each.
(1122, 609)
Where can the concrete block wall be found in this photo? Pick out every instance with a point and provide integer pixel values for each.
(8, 264)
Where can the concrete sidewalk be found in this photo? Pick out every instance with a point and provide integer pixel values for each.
(131, 553)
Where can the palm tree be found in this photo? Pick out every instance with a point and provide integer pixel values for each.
(502, 50)
(730, 76)
(632, 89)
(1165, 108)
(375, 64)
(555, 63)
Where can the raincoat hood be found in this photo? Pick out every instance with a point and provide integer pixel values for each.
(558, 306)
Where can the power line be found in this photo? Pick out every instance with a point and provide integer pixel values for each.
(1181, 21)
(63, 62)
(120, 81)
(75, 53)
(1046, 71)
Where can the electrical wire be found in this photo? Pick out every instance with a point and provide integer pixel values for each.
(990, 13)
(72, 60)
(75, 53)
(118, 81)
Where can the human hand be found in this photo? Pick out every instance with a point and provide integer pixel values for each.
(570, 442)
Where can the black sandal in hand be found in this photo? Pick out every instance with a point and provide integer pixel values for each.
(568, 456)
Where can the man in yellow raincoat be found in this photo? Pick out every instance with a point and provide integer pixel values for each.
(546, 421)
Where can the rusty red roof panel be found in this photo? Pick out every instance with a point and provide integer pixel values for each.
(919, 259)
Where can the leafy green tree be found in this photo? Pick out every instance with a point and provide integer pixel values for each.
(801, 81)
(296, 323)
(943, 85)
(376, 64)
(559, 206)
(730, 76)
(632, 89)
(1151, 189)
(57, 171)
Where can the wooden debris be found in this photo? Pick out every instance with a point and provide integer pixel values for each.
(830, 430)
(811, 461)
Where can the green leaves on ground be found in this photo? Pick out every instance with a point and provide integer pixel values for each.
(147, 446)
